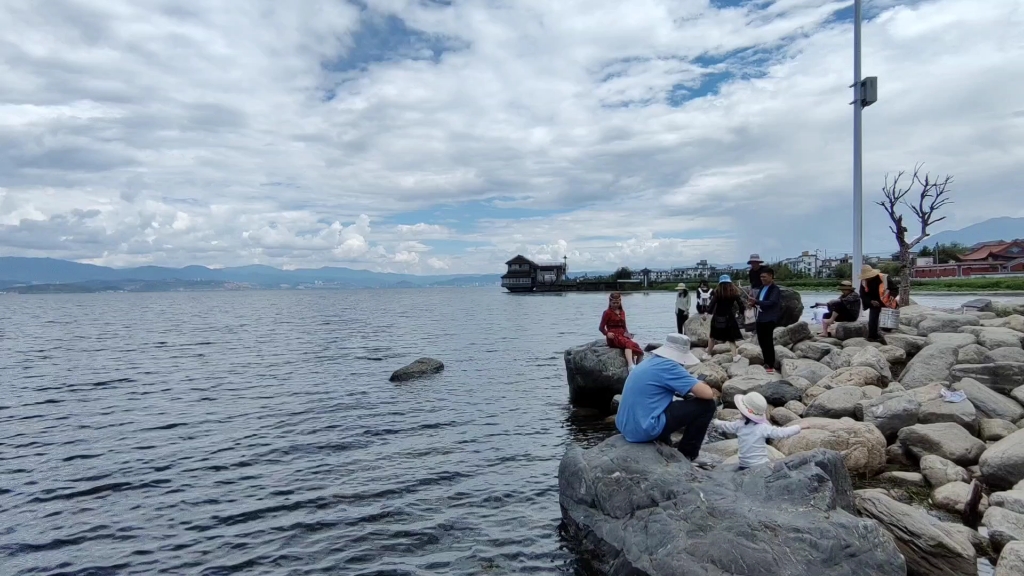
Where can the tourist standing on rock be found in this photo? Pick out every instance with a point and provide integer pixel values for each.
(846, 308)
(753, 429)
(613, 326)
(877, 291)
(725, 309)
(648, 410)
(703, 298)
(683, 302)
(754, 275)
(769, 312)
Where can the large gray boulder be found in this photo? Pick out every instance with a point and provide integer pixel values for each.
(793, 334)
(1001, 355)
(932, 364)
(752, 352)
(972, 354)
(813, 350)
(595, 373)
(1003, 526)
(418, 369)
(955, 339)
(807, 369)
(874, 359)
(938, 471)
(792, 307)
(780, 392)
(743, 385)
(861, 445)
(994, 429)
(949, 441)
(1002, 465)
(988, 402)
(836, 403)
(993, 338)
(710, 373)
(890, 413)
(840, 358)
(909, 344)
(954, 498)
(945, 323)
(914, 314)
(642, 509)
(858, 376)
(1002, 377)
(929, 546)
(1011, 560)
(848, 330)
(1012, 500)
(698, 329)
(959, 413)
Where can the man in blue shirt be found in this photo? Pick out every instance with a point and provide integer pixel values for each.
(648, 410)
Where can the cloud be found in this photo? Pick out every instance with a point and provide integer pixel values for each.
(655, 132)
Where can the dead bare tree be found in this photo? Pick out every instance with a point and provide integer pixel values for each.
(932, 196)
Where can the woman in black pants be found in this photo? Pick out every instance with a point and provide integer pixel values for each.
(769, 312)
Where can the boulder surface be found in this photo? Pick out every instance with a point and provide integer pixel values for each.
(595, 373)
(418, 369)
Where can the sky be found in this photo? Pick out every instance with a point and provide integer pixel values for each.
(445, 136)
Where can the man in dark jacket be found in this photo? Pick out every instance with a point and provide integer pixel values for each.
(846, 308)
(769, 312)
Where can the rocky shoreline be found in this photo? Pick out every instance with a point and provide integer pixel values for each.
(883, 410)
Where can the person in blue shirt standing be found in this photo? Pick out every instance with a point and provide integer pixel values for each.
(648, 410)
(769, 313)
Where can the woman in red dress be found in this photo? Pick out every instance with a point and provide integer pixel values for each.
(613, 326)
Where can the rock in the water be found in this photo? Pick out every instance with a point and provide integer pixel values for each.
(813, 350)
(1011, 561)
(778, 392)
(595, 373)
(796, 407)
(835, 403)
(939, 471)
(912, 479)
(950, 441)
(783, 417)
(955, 339)
(1003, 526)
(1002, 377)
(945, 323)
(752, 352)
(807, 369)
(743, 385)
(1001, 355)
(1002, 465)
(698, 329)
(1012, 500)
(929, 546)
(952, 497)
(425, 367)
(652, 346)
(710, 373)
(972, 354)
(960, 413)
(645, 510)
(932, 364)
(988, 402)
(847, 330)
(861, 445)
(909, 344)
(857, 376)
(792, 306)
(793, 334)
(890, 413)
(994, 430)
(993, 338)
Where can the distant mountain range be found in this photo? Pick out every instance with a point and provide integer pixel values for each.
(16, 271)
(1004, 228)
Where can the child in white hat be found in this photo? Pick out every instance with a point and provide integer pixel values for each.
(753, 429)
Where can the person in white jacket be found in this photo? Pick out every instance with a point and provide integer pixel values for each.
(684, 300)
(753, 429)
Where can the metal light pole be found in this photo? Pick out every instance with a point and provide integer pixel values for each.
(858, 191)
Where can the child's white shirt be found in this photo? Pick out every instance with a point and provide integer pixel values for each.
(751, 438)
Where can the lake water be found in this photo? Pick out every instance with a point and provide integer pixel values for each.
(257, 433)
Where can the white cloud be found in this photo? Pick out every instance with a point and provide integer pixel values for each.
(135, 133)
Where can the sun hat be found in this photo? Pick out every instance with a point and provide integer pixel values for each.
(680, 286)
(755, 258)
(677, 347)
(846, 285)
(724, 278)
(867, 272)
(753, 406)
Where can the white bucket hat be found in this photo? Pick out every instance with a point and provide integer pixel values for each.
(753, 406)
(677, 347)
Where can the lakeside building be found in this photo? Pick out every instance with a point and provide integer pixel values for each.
(525, 275)
(987, 259)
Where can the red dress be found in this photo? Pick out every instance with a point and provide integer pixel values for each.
(613, 326)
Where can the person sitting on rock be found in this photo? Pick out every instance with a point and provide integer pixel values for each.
(846, 308)
(753, 429)
(613, 326)
(648, 410)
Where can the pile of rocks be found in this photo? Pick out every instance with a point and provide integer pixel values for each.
(884, 410)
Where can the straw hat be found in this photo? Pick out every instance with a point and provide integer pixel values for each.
(680, 286)
(867, 272)
(724, 279)
(755, 258)
(753, 406)
(677, 347)
(846, 285)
